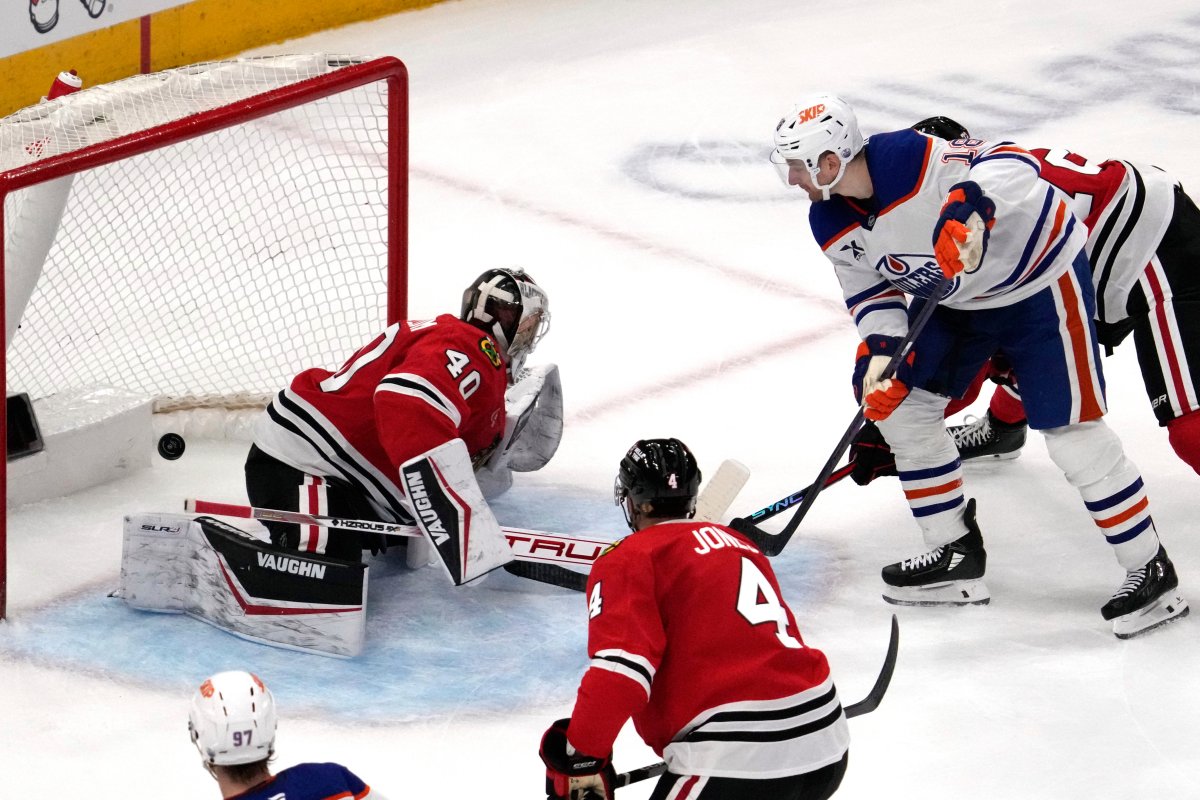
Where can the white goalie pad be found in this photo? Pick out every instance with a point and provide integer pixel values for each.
(222, 575)
(451, 513)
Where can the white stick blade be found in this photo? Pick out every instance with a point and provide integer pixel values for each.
(721, 490)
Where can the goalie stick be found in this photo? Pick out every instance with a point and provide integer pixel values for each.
(539, 554)
(773, 544)
(864, 706)
(528, 545)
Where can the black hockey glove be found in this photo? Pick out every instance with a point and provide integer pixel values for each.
(571, 775)
(870, 455)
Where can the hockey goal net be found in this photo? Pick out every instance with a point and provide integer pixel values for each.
(201, 234)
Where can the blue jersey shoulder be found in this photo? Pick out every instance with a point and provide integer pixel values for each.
(897, 163)
(309, 782)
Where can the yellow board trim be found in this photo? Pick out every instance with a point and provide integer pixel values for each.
(202, 30)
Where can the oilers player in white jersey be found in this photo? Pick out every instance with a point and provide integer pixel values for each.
(232, 723)
(908, 215)
(1143, 245)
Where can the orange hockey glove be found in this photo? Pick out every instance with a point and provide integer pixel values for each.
(961, 234)
(880, 397)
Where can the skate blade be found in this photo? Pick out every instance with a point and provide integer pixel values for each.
(992, 457)
(950, 593)
(1167, 608)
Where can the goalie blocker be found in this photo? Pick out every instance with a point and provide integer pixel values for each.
(222, 575)
(452, 515)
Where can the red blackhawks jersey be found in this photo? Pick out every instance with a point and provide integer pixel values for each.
(689, 636)
(1126, 210)
(416, 386)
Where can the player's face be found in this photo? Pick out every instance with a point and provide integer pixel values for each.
(798, 175)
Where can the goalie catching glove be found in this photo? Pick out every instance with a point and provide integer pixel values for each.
(961, 234)
(571, 775)
(880, 396)
(533, 427)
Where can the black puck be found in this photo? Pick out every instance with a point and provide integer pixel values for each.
(171, 446)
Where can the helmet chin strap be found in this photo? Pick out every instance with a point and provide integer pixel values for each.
(826, 187)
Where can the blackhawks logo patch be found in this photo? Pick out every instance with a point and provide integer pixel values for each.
(489, 349)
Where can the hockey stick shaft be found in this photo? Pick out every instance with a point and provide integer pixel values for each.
(773, 545)
(783, 504)
(864, 706)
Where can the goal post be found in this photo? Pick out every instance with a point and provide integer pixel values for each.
(200, 235)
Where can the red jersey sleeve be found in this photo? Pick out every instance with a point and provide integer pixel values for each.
(626, 641)
(450, 384)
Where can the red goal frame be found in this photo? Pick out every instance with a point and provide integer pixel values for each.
(388, 69)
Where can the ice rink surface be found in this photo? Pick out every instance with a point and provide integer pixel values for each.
(618, 151)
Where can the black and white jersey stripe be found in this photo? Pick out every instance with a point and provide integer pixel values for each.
(412, 385)
(630, 665)
(763, 738)
(1124, 238)
(298, 434)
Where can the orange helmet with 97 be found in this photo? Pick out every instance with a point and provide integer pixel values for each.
(510, 306)
(821, 123)
(232, 719)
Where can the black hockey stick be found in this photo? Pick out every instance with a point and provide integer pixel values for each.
(864, 706)
(772, 545)
(783, 504)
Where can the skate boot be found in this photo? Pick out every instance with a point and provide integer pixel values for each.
(1149, 597)
(948, 575)
(988, 436)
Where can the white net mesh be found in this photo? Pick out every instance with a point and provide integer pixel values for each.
(209, 271)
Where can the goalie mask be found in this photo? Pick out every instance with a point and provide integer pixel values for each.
(658, 477)
(942, 128)
(232, 719)
(510, 306)
(820, 124)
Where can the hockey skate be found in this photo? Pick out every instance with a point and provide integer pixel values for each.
(988, 437)
(950, 575)
(1149, 597)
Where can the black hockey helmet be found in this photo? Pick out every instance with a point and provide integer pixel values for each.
(660, 477)
(508, 305)
(943, 128)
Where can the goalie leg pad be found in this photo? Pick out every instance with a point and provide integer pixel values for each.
(222, 575)
(451, 513)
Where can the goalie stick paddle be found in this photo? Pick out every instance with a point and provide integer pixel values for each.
(773, 544)
(864, 706)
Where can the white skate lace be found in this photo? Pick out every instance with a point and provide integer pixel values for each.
(973, 431)
(1132, 581)
(922, 560)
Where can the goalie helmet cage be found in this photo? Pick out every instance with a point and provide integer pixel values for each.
(201, 234)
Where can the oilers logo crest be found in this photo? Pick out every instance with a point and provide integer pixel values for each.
(916, 274)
